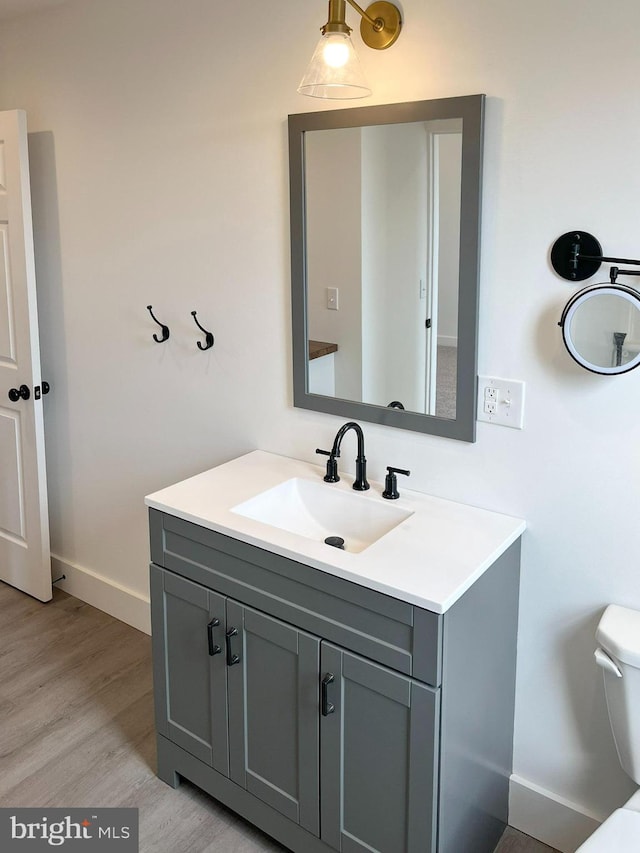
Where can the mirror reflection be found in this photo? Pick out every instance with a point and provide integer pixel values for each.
(601, 328)
(383, 245)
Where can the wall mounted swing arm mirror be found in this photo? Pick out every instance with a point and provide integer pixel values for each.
(385, 225)
(600, 323)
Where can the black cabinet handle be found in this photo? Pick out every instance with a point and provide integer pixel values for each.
(15, 393)
(214, 648)
(231, 657)
(327, 707)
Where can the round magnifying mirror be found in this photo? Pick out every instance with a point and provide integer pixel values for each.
(601, 328)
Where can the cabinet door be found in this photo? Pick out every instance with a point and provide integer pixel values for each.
(379, 735)
(273, 713)
(189, 667)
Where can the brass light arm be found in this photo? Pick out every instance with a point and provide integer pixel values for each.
(380, 25)
(376, 23)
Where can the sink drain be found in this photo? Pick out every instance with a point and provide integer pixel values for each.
(335, 542)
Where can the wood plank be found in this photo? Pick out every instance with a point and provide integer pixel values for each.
(319, 348)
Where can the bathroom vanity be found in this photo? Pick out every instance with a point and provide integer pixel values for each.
(357, 700)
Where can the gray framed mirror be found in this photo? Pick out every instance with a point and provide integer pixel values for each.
(385, 245)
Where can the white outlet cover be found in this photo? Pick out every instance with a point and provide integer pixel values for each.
(509, 398)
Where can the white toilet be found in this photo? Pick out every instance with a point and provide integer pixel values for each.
(618, 654)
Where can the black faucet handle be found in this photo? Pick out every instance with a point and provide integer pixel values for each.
(391, 482)
(398, 471)
(332, 465)
(334, 453)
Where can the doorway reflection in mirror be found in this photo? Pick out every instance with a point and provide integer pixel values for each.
(384, 232)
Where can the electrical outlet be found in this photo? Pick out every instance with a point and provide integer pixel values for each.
(501, 401)
(332, 298)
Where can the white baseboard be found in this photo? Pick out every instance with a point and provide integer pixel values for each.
(549, 817)
(103, 593)
(447, 341)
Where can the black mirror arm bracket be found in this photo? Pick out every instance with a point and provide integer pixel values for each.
(614, 272)
(577, 255)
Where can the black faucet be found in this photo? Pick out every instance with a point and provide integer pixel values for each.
(360, 483)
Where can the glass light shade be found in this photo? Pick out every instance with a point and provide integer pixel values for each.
(334, 70)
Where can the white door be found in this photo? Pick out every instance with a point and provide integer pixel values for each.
(444, 159)
(24, 522)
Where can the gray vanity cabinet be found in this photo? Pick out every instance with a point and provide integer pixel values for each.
(238, 690)
(332, 716)
(273, 713)
(257, 699)
(378, 757)
(190, 684)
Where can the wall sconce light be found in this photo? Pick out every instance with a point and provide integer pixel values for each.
(334, 70)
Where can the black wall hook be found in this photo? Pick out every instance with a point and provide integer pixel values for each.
(165, 329)
(208, 335)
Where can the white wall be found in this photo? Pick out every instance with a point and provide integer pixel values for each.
(334, 258)
(160, 176)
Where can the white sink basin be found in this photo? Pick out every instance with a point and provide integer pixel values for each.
(319, 510)
(419, 549)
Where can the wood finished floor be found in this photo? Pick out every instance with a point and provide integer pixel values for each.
(76, 729)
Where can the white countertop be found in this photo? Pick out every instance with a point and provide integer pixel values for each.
(430, 559)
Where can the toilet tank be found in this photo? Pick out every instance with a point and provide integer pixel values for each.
(618, 636)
